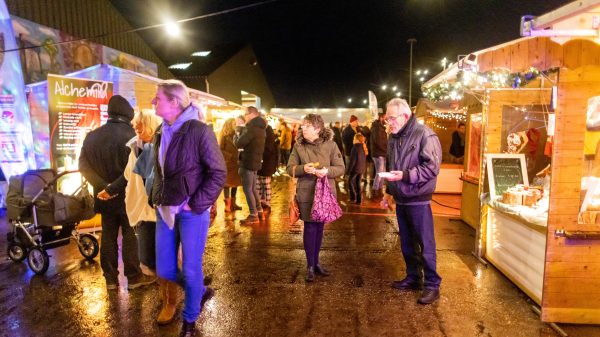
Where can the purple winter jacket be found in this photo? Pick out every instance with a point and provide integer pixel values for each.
(416, 151)
(194, 168)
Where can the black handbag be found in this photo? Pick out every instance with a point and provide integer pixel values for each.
(73, 208)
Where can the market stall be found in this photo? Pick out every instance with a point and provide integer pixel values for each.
(539, 177)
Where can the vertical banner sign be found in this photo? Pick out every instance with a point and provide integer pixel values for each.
(76, 106)
(373, 105)
(16, 141)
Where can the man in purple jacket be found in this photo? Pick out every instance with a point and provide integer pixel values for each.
(414, 156)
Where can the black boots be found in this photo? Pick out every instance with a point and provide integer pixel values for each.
(429, 296)
(188, 329)
(407, 285)
(321, 271)
(310, 274)
(318, 269)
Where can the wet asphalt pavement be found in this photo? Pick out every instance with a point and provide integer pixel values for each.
(258, 274)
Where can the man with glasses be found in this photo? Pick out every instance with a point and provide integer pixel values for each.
(414, 156)
(250, 139)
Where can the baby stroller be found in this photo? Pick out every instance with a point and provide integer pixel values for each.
(42, 218)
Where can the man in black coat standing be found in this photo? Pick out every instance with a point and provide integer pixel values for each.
(250, 139)
(378, 151)
(102, 162)
(348, 136)
(337, 136)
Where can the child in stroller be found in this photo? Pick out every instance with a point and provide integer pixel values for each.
(42, 218)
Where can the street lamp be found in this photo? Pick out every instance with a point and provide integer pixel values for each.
(364, 101)
(350, 100)
(384, 87)
(395, 88)
(172, 29)
(444, 63)
(411, 42)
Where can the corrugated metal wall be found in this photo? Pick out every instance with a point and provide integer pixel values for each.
(86, 18)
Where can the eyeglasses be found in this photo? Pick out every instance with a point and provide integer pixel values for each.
(392, 118)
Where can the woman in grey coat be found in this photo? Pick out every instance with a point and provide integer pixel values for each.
(315, 155)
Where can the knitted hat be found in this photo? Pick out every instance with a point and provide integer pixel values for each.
(119, 106)
(353, 118)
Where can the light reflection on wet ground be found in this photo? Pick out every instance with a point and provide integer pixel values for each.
(258, 273)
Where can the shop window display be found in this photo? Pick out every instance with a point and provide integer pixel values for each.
(524, 133)
(590, 182)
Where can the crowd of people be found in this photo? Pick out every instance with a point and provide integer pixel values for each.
(161, 175)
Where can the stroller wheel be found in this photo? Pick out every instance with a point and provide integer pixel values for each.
(16, 252)
(88, 246)
(38, 260)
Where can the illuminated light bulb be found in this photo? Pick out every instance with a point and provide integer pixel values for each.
(172, 29)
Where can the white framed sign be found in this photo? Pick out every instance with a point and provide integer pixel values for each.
(504, 171)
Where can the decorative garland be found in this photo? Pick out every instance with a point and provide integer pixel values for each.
(457, 115)
(470, 79)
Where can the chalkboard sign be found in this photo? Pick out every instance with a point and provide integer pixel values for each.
(504, 171)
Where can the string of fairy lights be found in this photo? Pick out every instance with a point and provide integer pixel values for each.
(473, 80)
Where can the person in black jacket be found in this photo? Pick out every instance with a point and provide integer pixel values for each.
(357, 167)
(337, 136)
(414, 158)
(457, 148)
(102, 161)
(378, 149)
(269, 166)
(348, 136)
(250, 138)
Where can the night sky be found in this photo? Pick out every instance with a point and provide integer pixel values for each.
(318, 53)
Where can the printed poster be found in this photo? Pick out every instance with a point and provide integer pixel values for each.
(16, 142)
(75, 106)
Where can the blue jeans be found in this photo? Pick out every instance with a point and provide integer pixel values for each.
(191, 231)
(251, 190)
(417, 240)
(379, 167)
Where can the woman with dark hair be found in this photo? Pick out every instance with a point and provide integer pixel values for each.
(315, 155)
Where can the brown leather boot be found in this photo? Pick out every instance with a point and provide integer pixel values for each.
(234, 206)
(168, 291)
(227, 205)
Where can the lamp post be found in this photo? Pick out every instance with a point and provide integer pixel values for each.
(411, 42)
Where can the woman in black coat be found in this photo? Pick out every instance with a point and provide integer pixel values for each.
(268, 168)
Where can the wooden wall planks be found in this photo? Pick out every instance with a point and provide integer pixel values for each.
(572, 272)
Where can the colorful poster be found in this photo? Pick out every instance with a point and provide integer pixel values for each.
(129, 62)
(16, 142)
(75, 106)
(44, 56)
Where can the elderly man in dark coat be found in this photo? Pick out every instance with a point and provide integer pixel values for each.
(414, 159)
